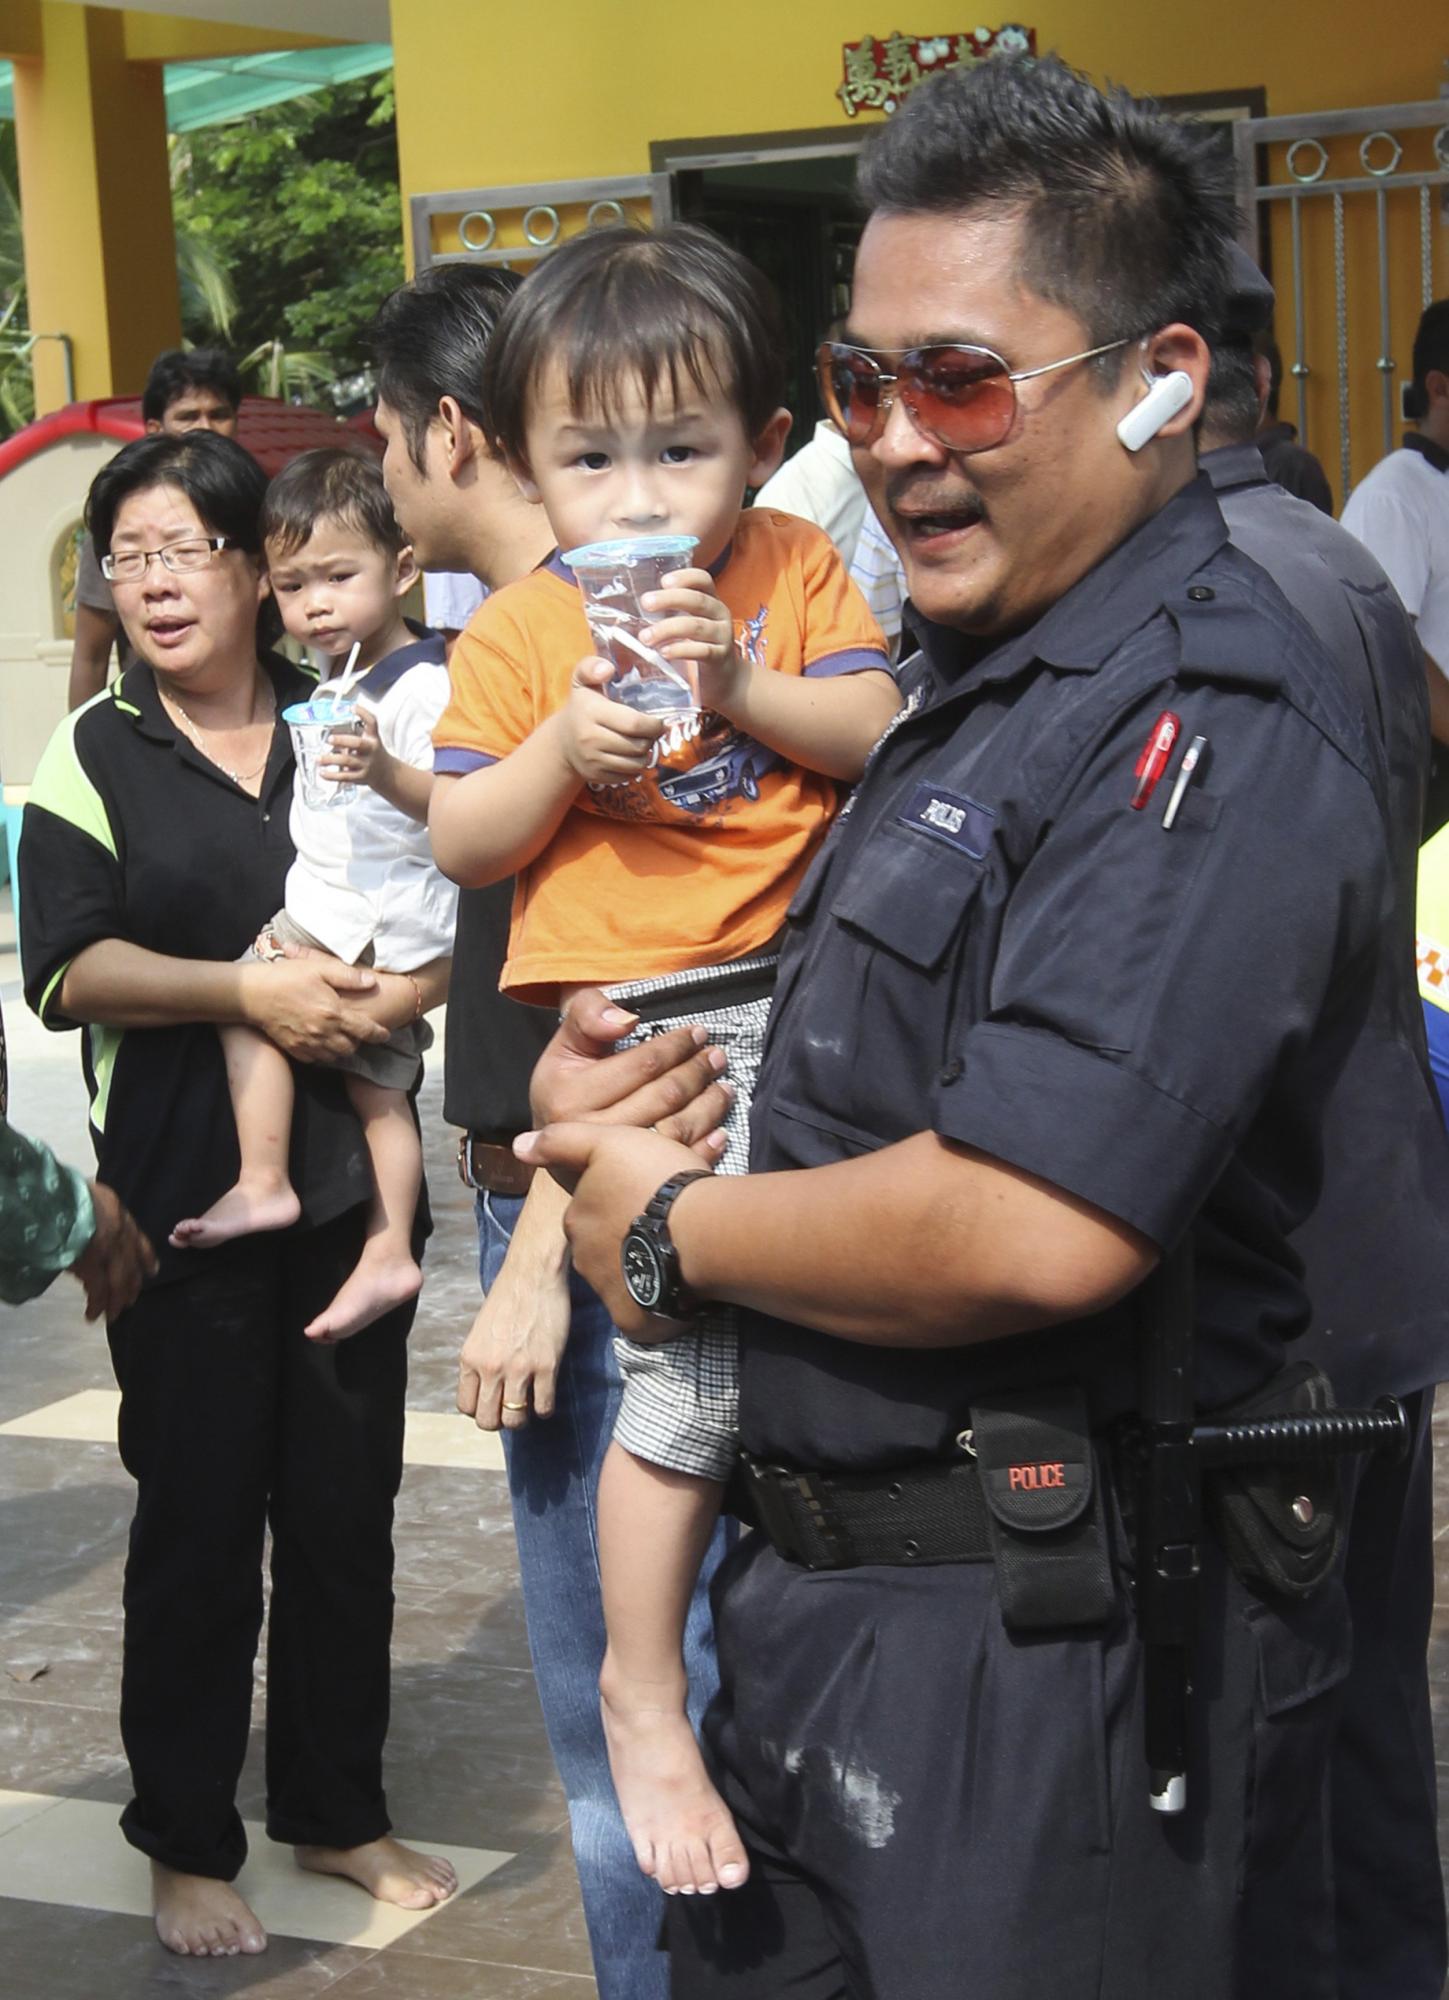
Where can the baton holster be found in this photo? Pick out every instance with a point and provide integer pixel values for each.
(1043, 1489)
(1281, 1524)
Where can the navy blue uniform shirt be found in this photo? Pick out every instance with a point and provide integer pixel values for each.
(1376, 1245)
(993, 945)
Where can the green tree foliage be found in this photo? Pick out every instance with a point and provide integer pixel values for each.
(298, 206)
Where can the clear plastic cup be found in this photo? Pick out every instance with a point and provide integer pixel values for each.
(612, 577)
(313, 724)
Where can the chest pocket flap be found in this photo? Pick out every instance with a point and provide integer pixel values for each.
(911, 895)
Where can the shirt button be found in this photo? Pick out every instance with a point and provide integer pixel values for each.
(266, 819)
(1200, 594)
(953, 1072)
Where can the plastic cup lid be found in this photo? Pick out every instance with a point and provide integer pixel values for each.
(301, 714)
(628, 550)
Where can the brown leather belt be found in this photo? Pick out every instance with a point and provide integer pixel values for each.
(490, 1168)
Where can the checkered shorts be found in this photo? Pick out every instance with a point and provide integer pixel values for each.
(681, 1398)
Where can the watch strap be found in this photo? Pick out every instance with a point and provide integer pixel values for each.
(664, 1198)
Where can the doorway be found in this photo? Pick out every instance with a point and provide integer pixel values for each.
(785, 200)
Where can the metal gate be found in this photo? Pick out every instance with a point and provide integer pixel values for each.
(1355, 205)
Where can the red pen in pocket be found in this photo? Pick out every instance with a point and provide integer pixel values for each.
(1153, 761)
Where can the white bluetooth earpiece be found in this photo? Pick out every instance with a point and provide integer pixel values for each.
(1167, 395)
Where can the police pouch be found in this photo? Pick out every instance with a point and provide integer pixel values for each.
(1042, 1485)
(1281, 1525)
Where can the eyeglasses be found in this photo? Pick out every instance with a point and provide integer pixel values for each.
(194, 553)
(958, 396)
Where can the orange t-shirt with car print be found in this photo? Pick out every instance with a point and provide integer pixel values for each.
(695, 862)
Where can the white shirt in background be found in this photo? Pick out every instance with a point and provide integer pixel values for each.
(450, 599)
(820, 484)
(1401, 513)
(879, 576)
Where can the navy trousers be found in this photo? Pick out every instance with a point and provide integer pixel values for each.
(935, 1807)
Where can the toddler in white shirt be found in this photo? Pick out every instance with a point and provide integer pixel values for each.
(364, 886)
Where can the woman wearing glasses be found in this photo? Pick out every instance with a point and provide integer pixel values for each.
(155, 847)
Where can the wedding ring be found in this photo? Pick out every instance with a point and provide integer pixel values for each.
(513, 1406)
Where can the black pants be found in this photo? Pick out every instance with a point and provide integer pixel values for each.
(1391, 1933)
(231, 1421)
(934, 1807)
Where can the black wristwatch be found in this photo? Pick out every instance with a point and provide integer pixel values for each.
(649, 1259)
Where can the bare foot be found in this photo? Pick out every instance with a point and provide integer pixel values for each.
(377, 1285)
(680, 1827)
(198, 1917)
(387, 1870)
(257, 1202)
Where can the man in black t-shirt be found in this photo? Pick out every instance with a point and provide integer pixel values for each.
(539, 1361)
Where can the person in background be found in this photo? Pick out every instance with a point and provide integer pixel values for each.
(819, 482)
(1290, 464)
(1375, 1249)
(188, 389)
(1400, 512)
(1432, 954)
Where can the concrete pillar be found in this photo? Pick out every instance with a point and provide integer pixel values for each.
(95, 196)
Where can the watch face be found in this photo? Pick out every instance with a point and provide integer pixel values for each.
(642, 1272)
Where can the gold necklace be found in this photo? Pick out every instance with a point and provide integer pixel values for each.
(174, 708)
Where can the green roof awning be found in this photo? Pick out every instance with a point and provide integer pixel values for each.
(226, 87)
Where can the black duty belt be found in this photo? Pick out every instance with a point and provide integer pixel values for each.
(932, 1513)
(1025, 1494)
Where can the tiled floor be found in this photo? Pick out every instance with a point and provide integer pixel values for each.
(469, 1769)
(468, 1773)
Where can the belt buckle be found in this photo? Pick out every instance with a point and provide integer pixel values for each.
(465, 1162)
(795, 1513)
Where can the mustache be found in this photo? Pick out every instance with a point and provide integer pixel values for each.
(907, 496)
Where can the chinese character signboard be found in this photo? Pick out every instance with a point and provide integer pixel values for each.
(879, 73)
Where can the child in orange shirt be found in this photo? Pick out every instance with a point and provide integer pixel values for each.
(633, 385)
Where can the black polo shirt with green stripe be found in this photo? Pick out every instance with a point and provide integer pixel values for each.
(131, 833)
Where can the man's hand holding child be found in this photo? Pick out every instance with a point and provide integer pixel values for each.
(602, 740)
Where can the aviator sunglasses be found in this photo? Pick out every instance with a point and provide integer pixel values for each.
(961, 397)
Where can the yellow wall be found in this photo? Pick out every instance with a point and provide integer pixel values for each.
(484, 98)
(493, 94)
(100, 256)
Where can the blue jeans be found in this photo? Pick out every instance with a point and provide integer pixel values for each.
(553, 1478)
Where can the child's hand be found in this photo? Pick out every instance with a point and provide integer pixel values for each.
(605, 742)
(692, 624)
(356, 757)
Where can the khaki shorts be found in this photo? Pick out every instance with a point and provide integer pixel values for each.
(397, 1063)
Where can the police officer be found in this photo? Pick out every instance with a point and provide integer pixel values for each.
(1375, 1248)
(1052, 1001)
